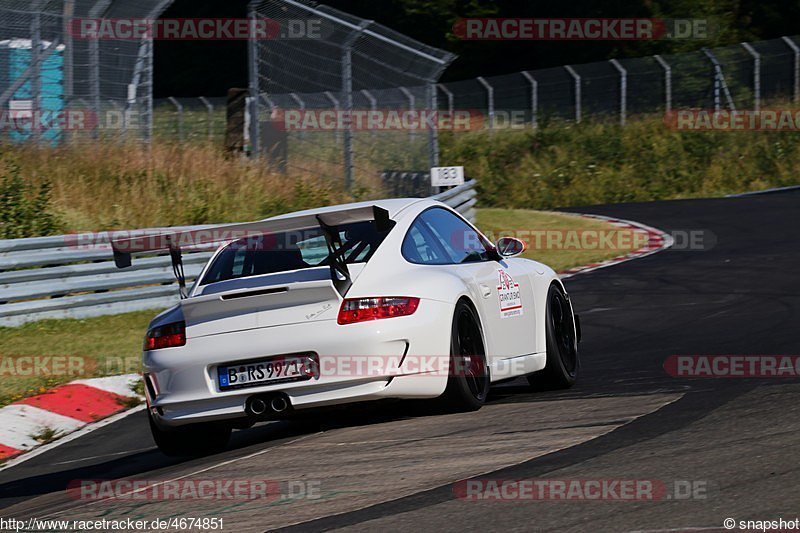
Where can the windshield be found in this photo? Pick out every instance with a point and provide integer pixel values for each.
(292, 250)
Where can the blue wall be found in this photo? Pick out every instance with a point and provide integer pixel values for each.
(15, 57)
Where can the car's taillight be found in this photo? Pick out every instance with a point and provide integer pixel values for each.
(362, 309)
(166, 336)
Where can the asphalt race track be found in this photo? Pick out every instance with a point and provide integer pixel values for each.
(391, 467)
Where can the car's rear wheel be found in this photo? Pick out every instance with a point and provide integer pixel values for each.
(468, 380)
(192, 439)
(563, 362)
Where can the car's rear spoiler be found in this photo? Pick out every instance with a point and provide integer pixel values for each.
(175, 241)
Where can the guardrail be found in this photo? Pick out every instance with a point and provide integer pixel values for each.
(462, 198)
(74, 276)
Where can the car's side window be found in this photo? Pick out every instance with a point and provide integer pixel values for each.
(439, 237)
(420, 246)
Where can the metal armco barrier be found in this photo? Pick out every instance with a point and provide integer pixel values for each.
(74, 276)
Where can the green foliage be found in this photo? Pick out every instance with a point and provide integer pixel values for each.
(565, 164)
(304, 196)
(25, 208)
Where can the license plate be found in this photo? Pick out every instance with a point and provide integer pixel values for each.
(267, 372)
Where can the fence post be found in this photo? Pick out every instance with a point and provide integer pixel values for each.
(489, 99)
(121, 110)
(534, 97)
(179, 108)
(347, 94)
(433, 133)
(210, 108)
(301, 105)
(667, 82)
(36, 75)
(336, 107)
(99, 10)
(411, 107)
(796, 50)
(373, 102)
(136, 82)
(577, 78)
(94, 76)
(253, 86)
(433, 107)
(756, 76)
(719, 82)
(450, 99)
(269, 102)
(69, 8)
(373, 106)
(149, 70)
(148, 133)
(623, 90)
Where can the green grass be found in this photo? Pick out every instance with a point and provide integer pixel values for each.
(123, 186)
(99, 346)
(111, 345)
(118, 186)
(45, 435)
(565, 164)
(534, 227)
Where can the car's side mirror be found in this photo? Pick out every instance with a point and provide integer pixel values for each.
(510, 246)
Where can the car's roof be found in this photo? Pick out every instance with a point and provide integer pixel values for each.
(392, 205)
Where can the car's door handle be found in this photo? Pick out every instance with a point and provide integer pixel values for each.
(486, 291)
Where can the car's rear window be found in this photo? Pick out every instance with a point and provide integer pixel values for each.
(292, 250)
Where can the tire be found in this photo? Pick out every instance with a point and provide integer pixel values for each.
(468, 379)
(192, 440)
(563, 361)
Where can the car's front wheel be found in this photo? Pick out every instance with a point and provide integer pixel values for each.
(561, 370)
(192, 439)
(468, 380)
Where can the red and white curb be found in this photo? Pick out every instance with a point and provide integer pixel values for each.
(657, 241)
(61, 411)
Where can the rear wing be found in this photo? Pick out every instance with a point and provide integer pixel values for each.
(177, 241)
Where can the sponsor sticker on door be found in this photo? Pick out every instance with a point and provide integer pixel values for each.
(510, 298)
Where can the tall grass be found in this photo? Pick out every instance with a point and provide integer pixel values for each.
(25, 208)
(565, 164)
(110, 185)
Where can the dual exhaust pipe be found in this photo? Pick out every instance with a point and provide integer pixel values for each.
(268, 406)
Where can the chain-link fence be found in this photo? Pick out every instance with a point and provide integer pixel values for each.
(354, 65)
(324, 68)
(316, 73)
(60, 80)
(200, 119)
(744, 76)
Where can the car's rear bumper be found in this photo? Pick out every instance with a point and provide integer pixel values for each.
(399, 357)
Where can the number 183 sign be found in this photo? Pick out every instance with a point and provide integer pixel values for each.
(447, 176)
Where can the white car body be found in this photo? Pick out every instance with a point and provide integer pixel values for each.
(297, 313)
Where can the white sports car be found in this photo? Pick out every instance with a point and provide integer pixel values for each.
(388, 299)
